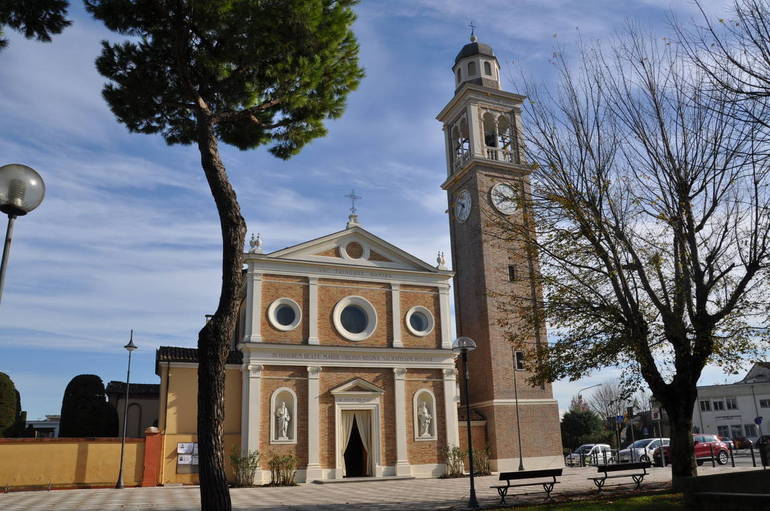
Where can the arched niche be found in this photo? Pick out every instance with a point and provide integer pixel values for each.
(424, 416)
(283, 416)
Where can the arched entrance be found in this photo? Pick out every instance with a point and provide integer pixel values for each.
(356, 456)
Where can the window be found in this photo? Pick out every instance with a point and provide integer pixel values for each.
(751, 429)
(471, 68)
(736, 431)
(283, 416)
(723, 431)
(732, 403)
(419, 321)
(424, 416)
(284, 314)
(354, 318)
(459, 75)
(764, 403)
(705, 406)
(487, 69)
(519, 360)
(511, 273)
(719, 405)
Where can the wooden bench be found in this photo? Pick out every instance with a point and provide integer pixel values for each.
(528, 474)
(637, 476)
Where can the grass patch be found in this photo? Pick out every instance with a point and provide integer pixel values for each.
(665, 502)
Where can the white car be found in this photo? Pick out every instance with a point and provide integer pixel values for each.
(641, 450)
(590, 453)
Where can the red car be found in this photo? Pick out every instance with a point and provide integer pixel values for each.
(703, 445)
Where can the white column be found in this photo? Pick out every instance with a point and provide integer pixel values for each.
(395, 300)
(312, 310)
(314, 471)
(403, 468)
(252, 331)
(450, 407)
(446, 332)
(251, 404)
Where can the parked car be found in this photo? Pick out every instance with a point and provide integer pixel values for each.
(703, 446)
(728, 441)
(590, 453)
(742, 442)
(641, 450)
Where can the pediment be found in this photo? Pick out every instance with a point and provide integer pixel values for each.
(354, 246)
(357, 386)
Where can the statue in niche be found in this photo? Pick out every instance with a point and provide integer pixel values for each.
(284, 419)
(425, 418)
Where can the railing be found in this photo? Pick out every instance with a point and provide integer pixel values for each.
(494, 153)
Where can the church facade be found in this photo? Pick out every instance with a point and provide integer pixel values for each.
(343, 353)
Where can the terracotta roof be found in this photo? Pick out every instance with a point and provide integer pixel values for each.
(178, 354)
(137, 389)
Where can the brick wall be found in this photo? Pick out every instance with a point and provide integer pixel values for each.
(427, 297)
(425, 451)
(273, 378)
(280, 286)
(331, 291)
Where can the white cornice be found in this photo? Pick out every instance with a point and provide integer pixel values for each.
(481, 93)
(512, 402)
(484, 165)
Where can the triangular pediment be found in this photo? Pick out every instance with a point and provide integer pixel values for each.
(354, 246)
(357, 386)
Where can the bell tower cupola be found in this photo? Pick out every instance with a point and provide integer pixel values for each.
(476, 63)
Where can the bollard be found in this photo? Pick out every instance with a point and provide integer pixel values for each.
(582, 460)
(605, 457)
(711, 450)
(732, 459)
(753, 459)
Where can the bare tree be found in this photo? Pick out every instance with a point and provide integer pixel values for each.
(609, 400)
(651, 202)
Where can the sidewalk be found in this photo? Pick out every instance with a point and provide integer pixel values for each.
(417, 494)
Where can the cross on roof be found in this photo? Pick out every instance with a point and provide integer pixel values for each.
(353, 198)
(473, 27)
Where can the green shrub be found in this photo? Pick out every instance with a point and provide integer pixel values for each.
(453, 457)
(283, 468)
(245, 467)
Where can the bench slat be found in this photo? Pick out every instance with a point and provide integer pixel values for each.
(622, 466)
(522, 484)
(530, 474)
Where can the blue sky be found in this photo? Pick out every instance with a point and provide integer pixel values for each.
(128, 237)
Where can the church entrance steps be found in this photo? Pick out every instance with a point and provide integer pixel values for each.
(363, 479)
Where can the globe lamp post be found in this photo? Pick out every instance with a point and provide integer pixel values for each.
(130, 347)
(463, 345)
(21, 190)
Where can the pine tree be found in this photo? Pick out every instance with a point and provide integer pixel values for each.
(243, 72)
(37, 19)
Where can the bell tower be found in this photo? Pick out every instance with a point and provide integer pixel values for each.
(485, 176)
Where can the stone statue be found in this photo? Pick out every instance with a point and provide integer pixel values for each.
(425, 418)
(255, 244)
(282, 414)
(441, 261)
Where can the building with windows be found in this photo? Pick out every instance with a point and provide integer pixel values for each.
(342, 355)
(143, 399)
(737, 409)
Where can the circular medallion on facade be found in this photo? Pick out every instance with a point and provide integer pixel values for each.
(419, 321)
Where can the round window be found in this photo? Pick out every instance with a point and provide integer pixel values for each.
(354, 318)
(419, 321)
(284, 314)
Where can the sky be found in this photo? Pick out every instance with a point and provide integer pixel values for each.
(128, 237)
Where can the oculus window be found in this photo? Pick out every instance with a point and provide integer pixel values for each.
(419, 321)
(284, 314)
(354, 318)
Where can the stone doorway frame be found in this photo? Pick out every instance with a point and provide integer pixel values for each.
(357, 395)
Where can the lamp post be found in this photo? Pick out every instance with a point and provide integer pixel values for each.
(130, 347)
(21, 190)
(586, 388)
(463, 345)
(516, 398)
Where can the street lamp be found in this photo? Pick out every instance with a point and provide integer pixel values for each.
(516, 398)
(21, 190)
(463, 345)
(586, 388)
(130, 347)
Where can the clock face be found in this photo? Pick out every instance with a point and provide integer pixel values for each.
(503, 197)
(463, 205)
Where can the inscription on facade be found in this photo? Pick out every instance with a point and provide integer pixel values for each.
(373, 357)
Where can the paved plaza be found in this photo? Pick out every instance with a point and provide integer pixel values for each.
(417, 494)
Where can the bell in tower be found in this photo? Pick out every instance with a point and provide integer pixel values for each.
(486, 176)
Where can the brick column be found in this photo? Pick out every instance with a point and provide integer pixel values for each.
(450, 407)
(314, 471)
(403, 468)
(251, 404)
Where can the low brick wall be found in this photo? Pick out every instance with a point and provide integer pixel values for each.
(68, 462)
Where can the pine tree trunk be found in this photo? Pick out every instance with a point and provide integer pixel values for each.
(214, 339)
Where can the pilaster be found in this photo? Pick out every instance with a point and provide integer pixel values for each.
(403, 468)
(395, 300)
(446, 332)
(450, 407)
(314, 471)
(312, 314)
(251, 404)
(252, 331)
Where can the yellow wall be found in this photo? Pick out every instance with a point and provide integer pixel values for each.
(179, 422)
(64, 462)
